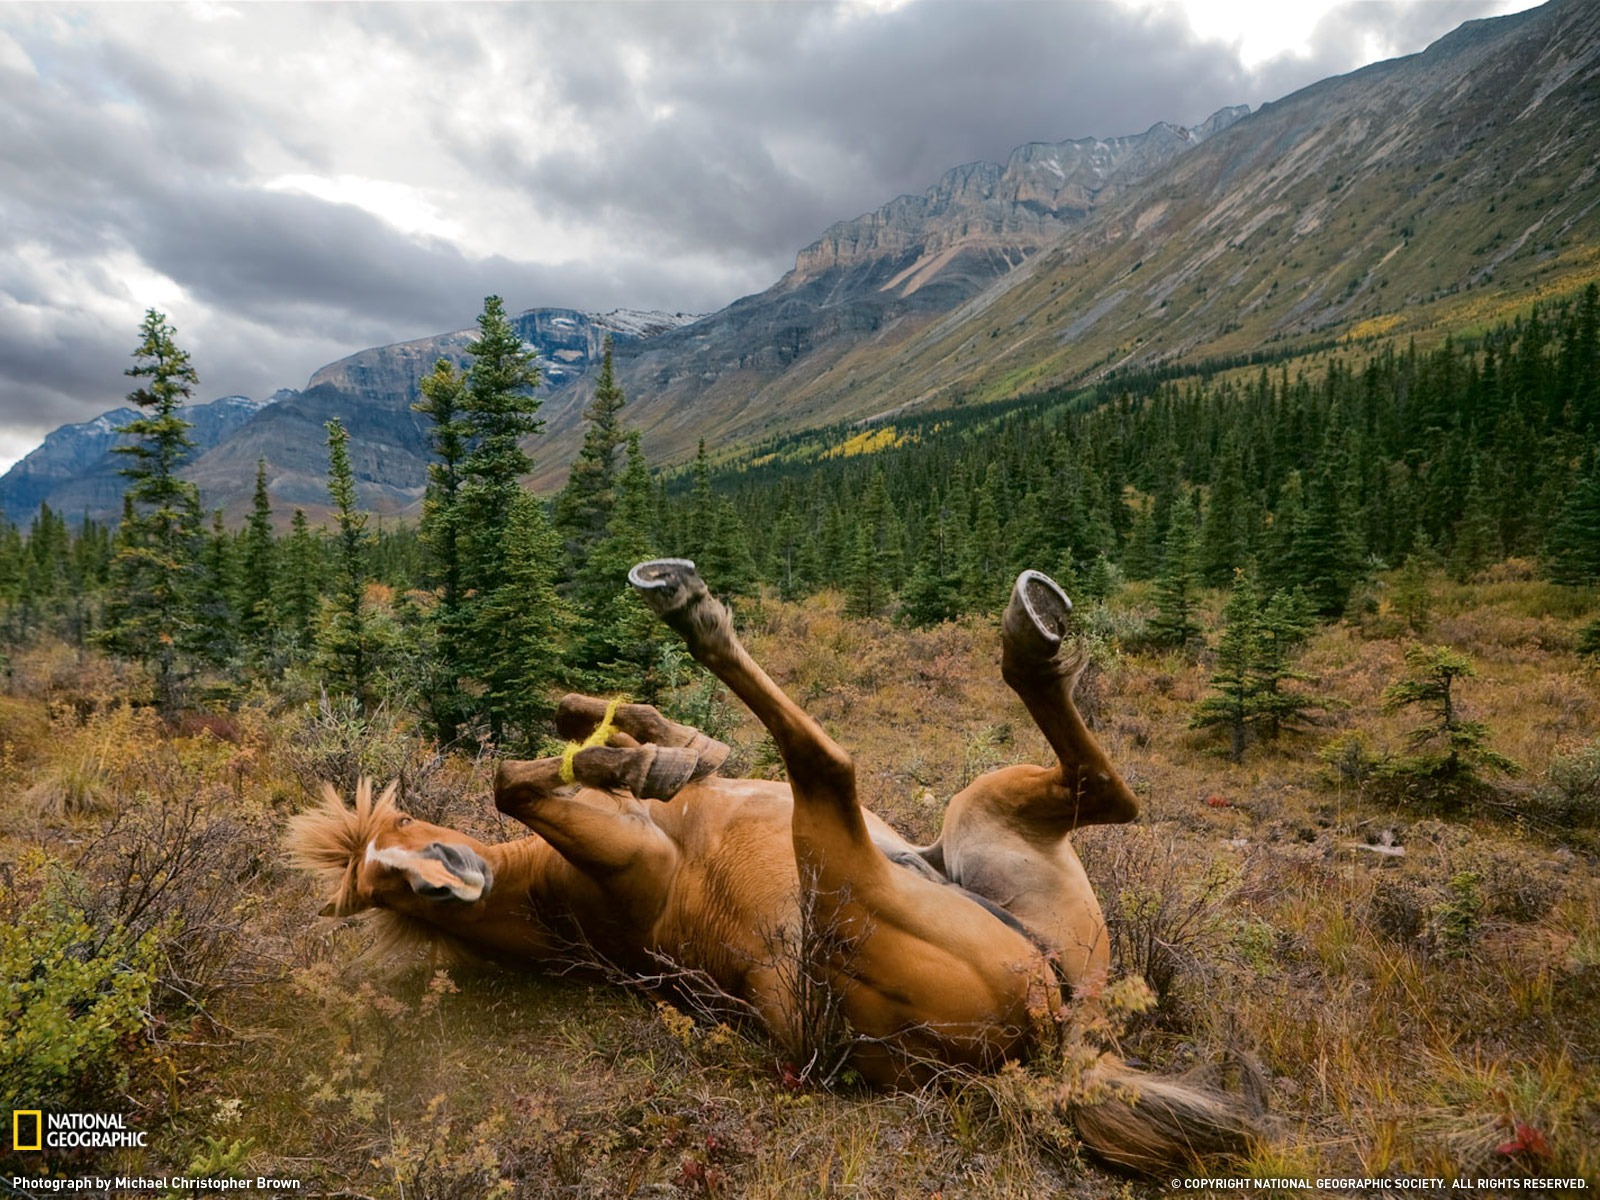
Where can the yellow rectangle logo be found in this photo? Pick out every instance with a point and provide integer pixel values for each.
(24, 1120)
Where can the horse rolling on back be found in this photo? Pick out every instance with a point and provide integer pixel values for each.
(939, 956)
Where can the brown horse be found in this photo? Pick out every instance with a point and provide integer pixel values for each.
(940, 956)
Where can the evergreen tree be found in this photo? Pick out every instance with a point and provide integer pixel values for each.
(1102, 580)
(729, 557)
(1224, 535)
(1589, 639)
(583, 507)
(1413, 586)
(1285, 623)
(151, 614)
(864, 586)
(618, 645)
(985, 561)
(1573, 546)
(443, 391)
(345, 644)
(528, 621)
(1324, 558)
(1232, 705)
(787, 532)
(214, 586)
(1453, 749)
(933, 592)
(444, 634)
(1280, 567)
(300, 585)
(1477, 541)
(502, 543)
(258, 568)
(1141, 557)
(498, 411)
(1178, 586)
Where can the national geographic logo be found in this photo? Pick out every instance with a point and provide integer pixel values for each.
(27, 1129)
(34, 1129)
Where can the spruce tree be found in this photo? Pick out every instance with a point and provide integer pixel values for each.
(300, 585)
(864, 591)
(583, 507)
(1413, 585)
(345, 644)
(150, 617)
(1224, 534)
(1178, 586)
(258, 569)
(1477, 540)
(1573, 544)
(1324, 557)
(933, 591)
(502, 544)
(985, 561)
(1232, 705)
(787, 545)
(1284, 625)
(618, 642)
(215, 585)
(527, 620)
(1452, 750)
(444, 632)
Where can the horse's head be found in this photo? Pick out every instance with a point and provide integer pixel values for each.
(379, 857)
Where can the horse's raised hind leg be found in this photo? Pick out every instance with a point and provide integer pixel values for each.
(1083, 788)
(1006, 835)
(828, 826)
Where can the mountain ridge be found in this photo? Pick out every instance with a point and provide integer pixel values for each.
(1413, 197)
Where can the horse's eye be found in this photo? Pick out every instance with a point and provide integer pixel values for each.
(402, 822)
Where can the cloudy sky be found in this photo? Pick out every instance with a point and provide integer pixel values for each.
(290, 183)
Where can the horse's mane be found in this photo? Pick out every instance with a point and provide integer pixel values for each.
(330, 839)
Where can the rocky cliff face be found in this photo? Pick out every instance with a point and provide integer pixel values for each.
(1009, 211)
(776, 360)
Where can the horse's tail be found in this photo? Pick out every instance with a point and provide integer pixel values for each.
(1151, 1123)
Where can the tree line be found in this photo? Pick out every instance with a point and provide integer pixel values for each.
(1288, 490)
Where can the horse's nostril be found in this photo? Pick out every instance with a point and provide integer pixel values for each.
(435, 891)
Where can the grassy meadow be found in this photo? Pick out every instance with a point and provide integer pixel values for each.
(1419, 981)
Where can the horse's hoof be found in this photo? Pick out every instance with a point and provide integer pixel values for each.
(671, 769)
(711, 753)
(1035, 620)
(667, 584)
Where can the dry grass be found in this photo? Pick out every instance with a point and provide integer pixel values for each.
(1433, 1012)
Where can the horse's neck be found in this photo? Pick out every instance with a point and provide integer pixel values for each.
(529, 883)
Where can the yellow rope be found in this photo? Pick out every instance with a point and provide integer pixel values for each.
(600, 736)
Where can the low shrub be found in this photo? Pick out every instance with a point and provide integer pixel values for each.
(75, 994)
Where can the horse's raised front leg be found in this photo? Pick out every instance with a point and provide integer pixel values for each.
(830, 833)
(621, 862)
(578, 716)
